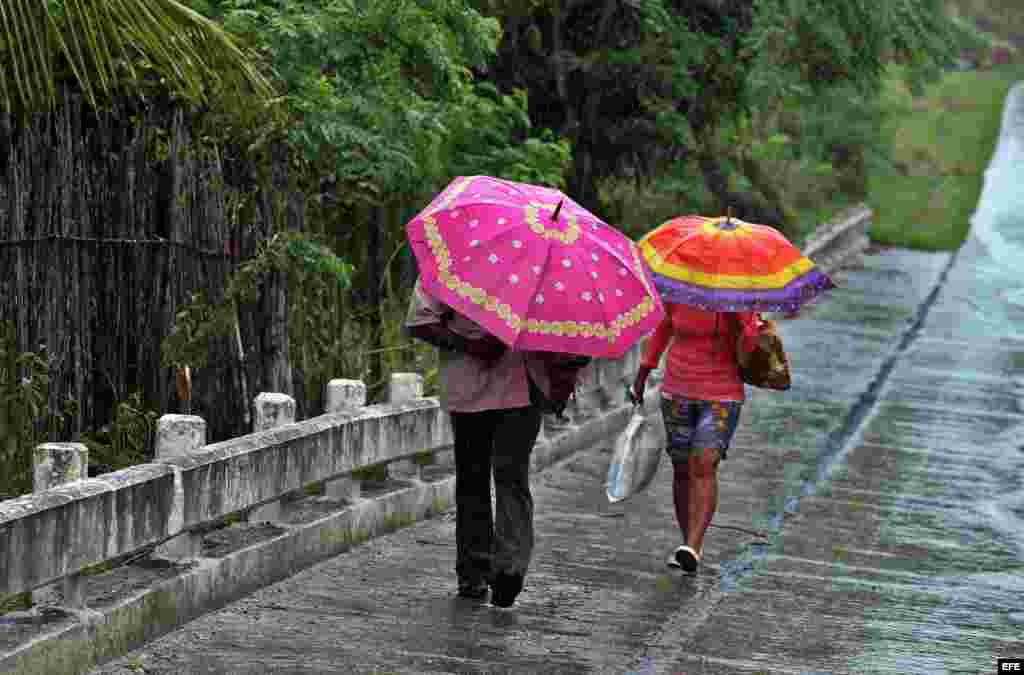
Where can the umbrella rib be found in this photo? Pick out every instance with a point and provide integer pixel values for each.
(580, 254)
(746, 248)
(611, 309)
(531, 297)
(608, 308)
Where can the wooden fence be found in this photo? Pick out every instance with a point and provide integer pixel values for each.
(107, 223)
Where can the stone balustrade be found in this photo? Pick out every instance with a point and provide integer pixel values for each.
(67, 527)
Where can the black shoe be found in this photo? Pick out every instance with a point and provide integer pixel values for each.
(474, 591)
(505, 588)
(687, 558)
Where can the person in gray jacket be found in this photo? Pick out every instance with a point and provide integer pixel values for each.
(496, 397)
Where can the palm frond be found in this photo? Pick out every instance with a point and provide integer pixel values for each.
(107, 43)
(16, 38)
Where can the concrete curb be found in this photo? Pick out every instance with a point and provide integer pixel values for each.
(99, 636)
(841, 242)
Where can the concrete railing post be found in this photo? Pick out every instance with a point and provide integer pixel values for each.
(405, 387)
(344, 395)
(56, 464)
(272, 410)
(177, 436)
(446, 458)
(59, 463)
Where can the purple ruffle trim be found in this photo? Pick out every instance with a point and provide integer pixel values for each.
(787, 299)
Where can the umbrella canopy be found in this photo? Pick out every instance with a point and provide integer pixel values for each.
(534, 268)
(728, 265)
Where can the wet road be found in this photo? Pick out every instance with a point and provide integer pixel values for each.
(872, 521)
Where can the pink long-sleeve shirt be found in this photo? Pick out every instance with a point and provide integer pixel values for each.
(701, 362)
(467, 383)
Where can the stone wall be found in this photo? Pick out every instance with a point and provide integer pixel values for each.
(62, 530)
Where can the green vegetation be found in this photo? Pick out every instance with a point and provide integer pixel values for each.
(938, 141)
(381, 108)
(315, 278)
(671, 108)
(922, 174)
(110, 50)
(786, 110)
(941, 143)
(343, 536)
(28, 418)
(15, 602)
(127, 440)
(26, 415)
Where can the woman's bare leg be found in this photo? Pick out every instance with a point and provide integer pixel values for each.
(681, 496)
(703, 495)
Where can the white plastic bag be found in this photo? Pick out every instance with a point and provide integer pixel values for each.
(637, 455)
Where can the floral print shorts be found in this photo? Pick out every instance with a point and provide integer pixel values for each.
(692, 425)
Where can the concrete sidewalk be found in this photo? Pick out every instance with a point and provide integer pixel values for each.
(898, 551)
(839, 545)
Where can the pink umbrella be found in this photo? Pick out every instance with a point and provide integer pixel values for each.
(534, 268)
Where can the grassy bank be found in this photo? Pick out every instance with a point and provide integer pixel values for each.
(941, 143)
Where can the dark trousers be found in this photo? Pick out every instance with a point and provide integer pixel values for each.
(500, 441)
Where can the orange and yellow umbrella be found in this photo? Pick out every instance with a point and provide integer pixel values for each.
(728, 265)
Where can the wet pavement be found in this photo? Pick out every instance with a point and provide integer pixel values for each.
(871, 521)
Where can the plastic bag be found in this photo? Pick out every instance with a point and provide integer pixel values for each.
(637, 455)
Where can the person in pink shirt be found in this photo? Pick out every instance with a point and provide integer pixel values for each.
(701, 398)
(495, 397)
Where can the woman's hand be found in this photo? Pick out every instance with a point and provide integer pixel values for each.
(640, 384)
